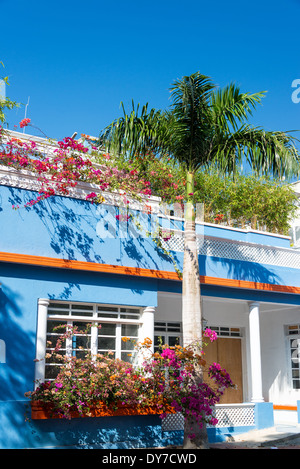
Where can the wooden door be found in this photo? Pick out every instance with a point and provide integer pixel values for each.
(228, 353)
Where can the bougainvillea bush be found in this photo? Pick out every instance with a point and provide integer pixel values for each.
(176, 373)
(162, 380)
(69, 163)
(242, 201)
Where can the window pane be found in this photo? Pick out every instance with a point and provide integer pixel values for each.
(173, 340)
(158, 342)
(172, 327)
(133, 317)
(107, 343)
(296, 384)
(54, 358)
(51, 325)
(51, 371)
(127, 357)
(107, 329)
(82, 327)
(128, 345)
(59, 308)
(130, 330)
(293, 330)
(160, 326)
(81, 342)
(295, 374)
(107, 315)
(82, 307)
(52, 341)
(82, 310)
(129, 310)
(53, 334)
(107, 309)
(80, 354)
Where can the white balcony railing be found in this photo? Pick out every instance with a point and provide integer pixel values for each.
(237, 250)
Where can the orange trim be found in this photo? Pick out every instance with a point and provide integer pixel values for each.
(38, 412)
(138, 271)
(284, 407)
(81, 265)
(225, 282)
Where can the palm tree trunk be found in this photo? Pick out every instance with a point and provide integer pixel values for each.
(194, 437)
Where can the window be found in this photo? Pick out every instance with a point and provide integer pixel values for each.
(167, 333)
(294, 354)
(116, 322)
(226, 331)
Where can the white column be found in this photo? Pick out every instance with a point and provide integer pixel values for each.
(147, 329)
(41, 339)
(255, 353)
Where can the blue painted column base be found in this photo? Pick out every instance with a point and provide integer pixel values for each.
(264, 415)
(298, 411)
(263, 418)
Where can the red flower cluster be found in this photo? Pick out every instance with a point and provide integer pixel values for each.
(25, 122)
(219, 217)
(68, 166)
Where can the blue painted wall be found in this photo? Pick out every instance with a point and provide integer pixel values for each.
(67, 228)
(88, 433)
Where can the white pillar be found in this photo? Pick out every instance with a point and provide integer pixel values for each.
(41, 339)
(255, 353)
(148, 325)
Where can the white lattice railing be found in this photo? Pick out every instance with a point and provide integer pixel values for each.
(233, 415)
(238, 250)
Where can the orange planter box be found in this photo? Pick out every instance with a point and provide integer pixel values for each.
(42, 412)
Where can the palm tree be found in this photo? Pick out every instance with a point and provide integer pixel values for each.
(205, 127)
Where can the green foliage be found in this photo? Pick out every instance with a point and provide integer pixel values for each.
(241, 201)
(247, 201)
(6, 103)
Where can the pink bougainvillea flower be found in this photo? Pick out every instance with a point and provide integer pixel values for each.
(24, 122)
(211, 335)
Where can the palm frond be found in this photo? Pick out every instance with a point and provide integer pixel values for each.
(230, 107)
(135, 132)
(267, 153)
(192, 128)
(204, 127)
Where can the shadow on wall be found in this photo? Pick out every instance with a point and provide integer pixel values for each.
(17, 371)
(238, 270)
(76, 229)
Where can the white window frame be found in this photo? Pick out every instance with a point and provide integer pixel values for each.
(291, 337)
(44, 315)
(168, 333)
(231, 332)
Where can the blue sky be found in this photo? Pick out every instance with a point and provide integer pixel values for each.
(76, 61)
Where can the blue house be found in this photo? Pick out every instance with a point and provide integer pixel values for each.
(66, 260)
